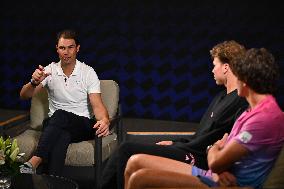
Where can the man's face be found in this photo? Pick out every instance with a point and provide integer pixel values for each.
(67, 51)
(219, 70)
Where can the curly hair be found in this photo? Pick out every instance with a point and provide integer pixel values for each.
(258, 70)
(227, 51)
(68, 34)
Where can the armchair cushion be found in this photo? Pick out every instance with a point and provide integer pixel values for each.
(82, 153)
(27, 142)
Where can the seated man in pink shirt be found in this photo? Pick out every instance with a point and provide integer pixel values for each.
(245, 156)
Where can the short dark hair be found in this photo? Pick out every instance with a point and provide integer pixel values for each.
(258, 70)
(227, 51)
(68, 34)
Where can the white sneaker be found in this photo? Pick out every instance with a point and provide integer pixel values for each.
(27, 168)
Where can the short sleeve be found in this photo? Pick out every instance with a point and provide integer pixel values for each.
(255, 135)
(93, 82)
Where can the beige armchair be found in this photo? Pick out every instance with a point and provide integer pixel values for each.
(80, 154)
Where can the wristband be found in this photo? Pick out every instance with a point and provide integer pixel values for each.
(33, 83)
(210, 146)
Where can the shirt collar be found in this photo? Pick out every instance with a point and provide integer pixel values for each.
(75, 71)
(77, 68)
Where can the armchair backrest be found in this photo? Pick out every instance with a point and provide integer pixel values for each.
(110, 96)
(39, 103)
(39, 109)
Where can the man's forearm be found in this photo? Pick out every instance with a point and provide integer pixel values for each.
(27, 91)
(213, 157)
(101, 114)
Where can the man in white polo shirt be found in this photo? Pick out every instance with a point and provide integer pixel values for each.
(74, 98)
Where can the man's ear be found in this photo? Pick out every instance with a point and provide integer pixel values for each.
(226, 68)
(78, 48)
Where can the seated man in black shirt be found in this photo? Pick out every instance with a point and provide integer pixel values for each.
(217, 120)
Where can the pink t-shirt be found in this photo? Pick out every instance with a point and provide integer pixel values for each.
(261, 131)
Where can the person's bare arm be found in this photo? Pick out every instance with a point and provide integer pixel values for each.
(221, 157)
(31, 88)
(101, 114)
(28, 90)
(226, 179)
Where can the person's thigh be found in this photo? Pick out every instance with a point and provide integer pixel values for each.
(79, 127)
(141, 161)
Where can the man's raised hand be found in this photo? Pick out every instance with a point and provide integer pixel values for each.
(39, 75)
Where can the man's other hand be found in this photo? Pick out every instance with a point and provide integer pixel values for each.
(102, 127)
(165, 143)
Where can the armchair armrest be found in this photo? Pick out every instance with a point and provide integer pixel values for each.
(98, 161)
(114, 124)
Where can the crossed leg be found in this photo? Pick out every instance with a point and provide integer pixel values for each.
(144, 170)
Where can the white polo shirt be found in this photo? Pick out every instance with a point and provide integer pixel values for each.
(71, 94)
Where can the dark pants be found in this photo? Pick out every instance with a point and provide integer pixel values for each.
(113, 174)
(61, 129)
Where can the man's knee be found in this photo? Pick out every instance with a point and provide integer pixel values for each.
(140, 178)
(133, 164)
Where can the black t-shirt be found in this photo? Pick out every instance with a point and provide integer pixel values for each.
(217, 120)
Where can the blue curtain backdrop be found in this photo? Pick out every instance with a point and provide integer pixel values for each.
(158, 51)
